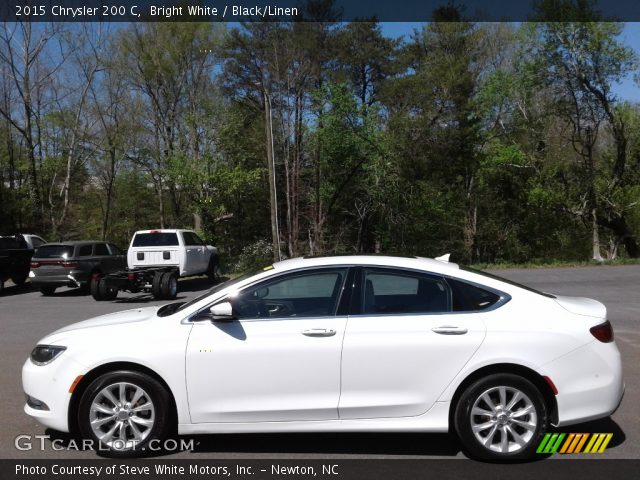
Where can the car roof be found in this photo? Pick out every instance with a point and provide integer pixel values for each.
(73, 243)
(164, 230)
(420, 263)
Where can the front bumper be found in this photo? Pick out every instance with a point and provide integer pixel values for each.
(50, 384)
(589, 381)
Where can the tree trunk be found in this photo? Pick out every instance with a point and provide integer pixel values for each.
(595, 237)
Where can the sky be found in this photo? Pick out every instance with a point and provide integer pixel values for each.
(628, 89)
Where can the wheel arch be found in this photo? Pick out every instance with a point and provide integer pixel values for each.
(74, 403)
(511, 368)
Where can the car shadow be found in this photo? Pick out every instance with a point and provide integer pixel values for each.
(373, 443)
(13, 289)
(437, 444)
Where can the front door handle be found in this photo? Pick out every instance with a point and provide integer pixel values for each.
(319, 332)
(450, 330)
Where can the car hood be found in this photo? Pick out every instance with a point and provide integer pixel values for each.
(583, 306)
(127, 316)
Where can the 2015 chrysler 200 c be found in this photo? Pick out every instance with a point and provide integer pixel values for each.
(363, 343)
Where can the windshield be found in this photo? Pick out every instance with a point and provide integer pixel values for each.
(172, 308)
(158, 239)
(506, 280)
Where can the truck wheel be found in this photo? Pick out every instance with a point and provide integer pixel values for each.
(155, 286)
(1, 286)
(107, 292)
(213, 270)
(19, 280)
(169, 286)
(47, 291)
(94, 288)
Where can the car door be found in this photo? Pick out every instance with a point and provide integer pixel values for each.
(403, 343)
(203, 260)
(194, 253)
(279, 360)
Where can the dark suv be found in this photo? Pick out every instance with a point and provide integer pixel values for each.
(72, 264)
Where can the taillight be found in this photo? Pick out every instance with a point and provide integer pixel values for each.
(35, 264)
(70, 264)
(603, 332)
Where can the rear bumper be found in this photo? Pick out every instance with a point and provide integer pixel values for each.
(589, 382)
(71, 278)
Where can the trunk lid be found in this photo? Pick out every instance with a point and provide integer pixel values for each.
(583, 306)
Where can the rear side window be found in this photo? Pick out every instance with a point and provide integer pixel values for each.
(101, 249)
(159, 239)
(54, 251)
(469, 298)
(114, 250)
(84, 251)
(387, 292)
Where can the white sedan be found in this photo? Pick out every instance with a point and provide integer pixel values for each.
(353, 343)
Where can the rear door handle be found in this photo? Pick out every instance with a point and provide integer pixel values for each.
(319, 332)
(449, 330)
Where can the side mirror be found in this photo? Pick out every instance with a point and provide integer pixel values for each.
(222, 312)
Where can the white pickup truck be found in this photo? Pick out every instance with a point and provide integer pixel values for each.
(180, 248)
(155, 260)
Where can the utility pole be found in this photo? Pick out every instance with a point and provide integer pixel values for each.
(271, 167)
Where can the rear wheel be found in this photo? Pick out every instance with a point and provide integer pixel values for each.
(169, 286)
(155, 285)
(123, 411)
(93, 287)
(107, 292)
(501, 417)
(20, 279)
(47, 291)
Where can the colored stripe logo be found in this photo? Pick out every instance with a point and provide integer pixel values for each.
(574, 443)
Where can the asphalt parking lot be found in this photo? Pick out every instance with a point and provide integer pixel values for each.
(26, 316)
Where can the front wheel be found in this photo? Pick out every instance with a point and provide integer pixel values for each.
(123, 411)
(501, 417)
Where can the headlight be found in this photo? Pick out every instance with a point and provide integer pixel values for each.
(43, 354)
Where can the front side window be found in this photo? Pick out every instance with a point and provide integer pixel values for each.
(387, 292)
(191, 238)
(303, 294)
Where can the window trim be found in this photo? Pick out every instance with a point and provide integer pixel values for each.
(357, 304)
(339, 306)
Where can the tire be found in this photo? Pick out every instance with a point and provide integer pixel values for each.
(152, 421)
(93, 288)
(169, 286)
(20, 279)
(213, 270)
(1, 286)
(506, 437)
(47, 291)
(155, 286)
(106, 292)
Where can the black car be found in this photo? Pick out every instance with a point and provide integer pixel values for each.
(14, 260)
(73, 264)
